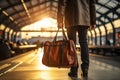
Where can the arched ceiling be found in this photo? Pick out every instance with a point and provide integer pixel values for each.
(107, 11)
(19, 13)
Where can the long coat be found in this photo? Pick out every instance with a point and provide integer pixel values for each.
(76, 12)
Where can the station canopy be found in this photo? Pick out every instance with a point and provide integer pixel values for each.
(16, 14)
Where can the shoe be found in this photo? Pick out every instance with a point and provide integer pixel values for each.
(72, 74)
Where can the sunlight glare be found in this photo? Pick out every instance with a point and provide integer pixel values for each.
(48, 22)
(45, 23)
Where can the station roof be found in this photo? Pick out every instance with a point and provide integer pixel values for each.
(19, 13)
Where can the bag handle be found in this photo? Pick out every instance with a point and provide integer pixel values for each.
(64, 35)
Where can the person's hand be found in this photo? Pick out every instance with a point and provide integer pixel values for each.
(92, 27)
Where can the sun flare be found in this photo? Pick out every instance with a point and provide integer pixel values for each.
(45, 23)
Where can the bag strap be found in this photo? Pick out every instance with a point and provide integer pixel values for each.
(65, 36)
(63, 33)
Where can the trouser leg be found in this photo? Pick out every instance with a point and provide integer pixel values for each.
(82, 33)
(71, 32)
(85, 59)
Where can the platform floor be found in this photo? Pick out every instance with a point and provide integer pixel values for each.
(28, 66)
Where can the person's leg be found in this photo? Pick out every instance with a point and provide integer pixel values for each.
(71, 32)
(82, 34)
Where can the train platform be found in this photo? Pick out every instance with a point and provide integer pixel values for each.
(28, 66)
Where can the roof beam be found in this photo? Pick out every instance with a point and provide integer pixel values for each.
(15, 4)
(26, 9)
(29, 8)
(38, 12)
(36, 18)
(111, 10)
(32, 13)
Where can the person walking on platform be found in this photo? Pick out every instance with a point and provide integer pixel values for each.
(78, 16)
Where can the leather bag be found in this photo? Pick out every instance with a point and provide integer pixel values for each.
(60, 53)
